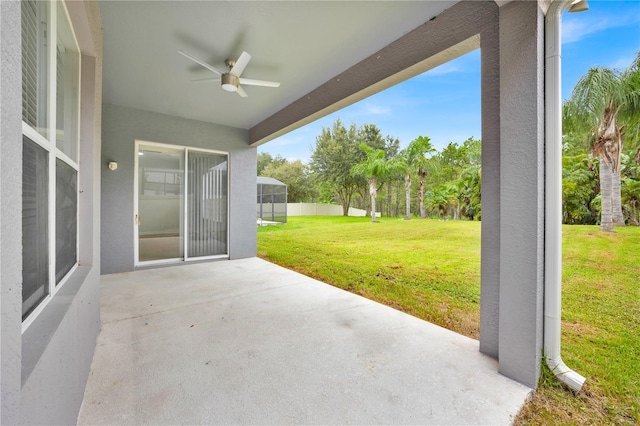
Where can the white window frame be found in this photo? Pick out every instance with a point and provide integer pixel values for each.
(49, 144)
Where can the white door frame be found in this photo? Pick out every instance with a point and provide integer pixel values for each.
(136, 242)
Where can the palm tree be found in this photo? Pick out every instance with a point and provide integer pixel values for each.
(375, 166)
(415, 158)
(442, 199)
(424, 166)
(468, 193)
(631, 196)
(605, 106)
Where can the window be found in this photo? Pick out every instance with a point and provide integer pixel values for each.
(35, 20)
(50, 115)
(35, 224)
(66, 218)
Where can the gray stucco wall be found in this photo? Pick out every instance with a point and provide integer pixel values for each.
(58, 350)
(490, 236)
(10, 210)
(121, 127)
(512, 63)
(521, 191)
(58, 347)
(44, 369)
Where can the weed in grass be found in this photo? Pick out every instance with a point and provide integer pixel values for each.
(555, 404)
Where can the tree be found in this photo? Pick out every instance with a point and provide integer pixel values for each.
(294, 174)
(460, 166)
(375, 166)
(392, 150)
(335, 152)
(604, 104)
(442, 200)
(265, 159)
(415, 160)
(631, 198)
(631, 189)
(370, 135)
(423, 166)
(578, 189)
(468, 191)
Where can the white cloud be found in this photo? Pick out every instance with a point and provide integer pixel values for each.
(374, 109)
(446, 68)
(578, 28)
(465, 63)
(622, 63)
(290, 139)
(283, 141)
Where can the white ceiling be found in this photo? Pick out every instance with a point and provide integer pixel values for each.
(301, 44)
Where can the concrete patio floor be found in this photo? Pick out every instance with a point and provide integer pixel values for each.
(249, 342)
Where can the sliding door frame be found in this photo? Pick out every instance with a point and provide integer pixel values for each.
(185, 255)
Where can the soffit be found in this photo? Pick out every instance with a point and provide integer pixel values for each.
(301, 44)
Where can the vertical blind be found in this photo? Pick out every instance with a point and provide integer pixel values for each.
(206, 204)
(34, 64)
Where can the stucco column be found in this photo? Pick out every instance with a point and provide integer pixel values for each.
(10, 210)
(490, 237)
(521, 191)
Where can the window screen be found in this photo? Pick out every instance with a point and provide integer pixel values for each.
(66, 218)
(35, 227)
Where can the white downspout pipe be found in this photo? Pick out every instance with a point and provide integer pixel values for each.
(553, 193)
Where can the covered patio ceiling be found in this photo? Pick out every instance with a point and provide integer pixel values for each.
(301, 44)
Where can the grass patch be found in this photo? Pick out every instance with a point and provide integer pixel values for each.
(385, 262)
(431, 269)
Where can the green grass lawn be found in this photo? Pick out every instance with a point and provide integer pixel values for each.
(431, 269)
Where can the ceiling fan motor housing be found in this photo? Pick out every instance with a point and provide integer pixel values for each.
(230, 82)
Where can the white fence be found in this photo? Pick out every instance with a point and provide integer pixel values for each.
(315, 209)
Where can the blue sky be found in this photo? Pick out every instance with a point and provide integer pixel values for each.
(444, 103)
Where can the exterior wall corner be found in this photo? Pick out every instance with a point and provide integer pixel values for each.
(490, 236)
(521, 191)
(10, 210)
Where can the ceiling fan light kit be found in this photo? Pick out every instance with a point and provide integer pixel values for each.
(230, 80)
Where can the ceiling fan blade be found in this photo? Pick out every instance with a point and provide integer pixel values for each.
(241, 92)
(240, 64)
(204, 80)
(200, 62)
(252, 82)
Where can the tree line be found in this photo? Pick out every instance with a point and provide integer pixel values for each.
(358, 166)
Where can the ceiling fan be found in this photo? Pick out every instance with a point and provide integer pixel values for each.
(231, 80)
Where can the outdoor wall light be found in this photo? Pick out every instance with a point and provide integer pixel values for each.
(113, 165)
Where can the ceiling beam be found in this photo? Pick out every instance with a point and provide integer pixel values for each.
(451, 34)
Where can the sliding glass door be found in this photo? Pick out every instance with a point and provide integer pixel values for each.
(181, 203)
(206, 204)
(160, 203)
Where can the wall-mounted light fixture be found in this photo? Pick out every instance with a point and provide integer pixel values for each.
(113, 165)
